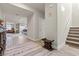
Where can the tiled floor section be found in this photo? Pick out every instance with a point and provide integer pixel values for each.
(19, 45)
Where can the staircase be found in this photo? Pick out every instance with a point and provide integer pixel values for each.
(73, 36)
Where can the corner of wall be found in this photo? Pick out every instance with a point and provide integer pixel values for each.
(60, 46)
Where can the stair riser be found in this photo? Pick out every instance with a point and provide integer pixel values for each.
(73, 33)
(73, 40)
(74, 27)
(73, 36)
(72, 44)
(74, 30)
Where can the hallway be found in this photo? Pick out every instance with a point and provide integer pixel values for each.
(20, 45)
(50, 21)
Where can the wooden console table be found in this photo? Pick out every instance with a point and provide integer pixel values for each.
(48, 44)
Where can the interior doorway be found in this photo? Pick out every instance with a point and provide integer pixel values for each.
(23, 29)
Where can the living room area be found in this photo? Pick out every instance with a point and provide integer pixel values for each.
(13, 22)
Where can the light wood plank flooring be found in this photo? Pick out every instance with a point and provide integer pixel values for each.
(20, 45)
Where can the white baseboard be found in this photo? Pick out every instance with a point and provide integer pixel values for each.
(33, 39)
(60, 46)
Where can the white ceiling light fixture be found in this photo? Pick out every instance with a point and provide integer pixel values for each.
(62, 8)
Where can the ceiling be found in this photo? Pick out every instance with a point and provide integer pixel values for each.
(12, 12)
(37, 6)
(10, 9)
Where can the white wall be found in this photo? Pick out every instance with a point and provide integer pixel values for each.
(51, 22)
(34, 28)
(57, 22)
(75, 15)
(41, 28)
(64, 14)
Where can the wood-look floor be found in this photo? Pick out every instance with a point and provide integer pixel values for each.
(20, 45)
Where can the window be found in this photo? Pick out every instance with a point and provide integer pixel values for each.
(9, 26)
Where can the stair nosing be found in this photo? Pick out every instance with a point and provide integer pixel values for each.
(72, 38)
(73, 35)
(73, 42)
(74, 29)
